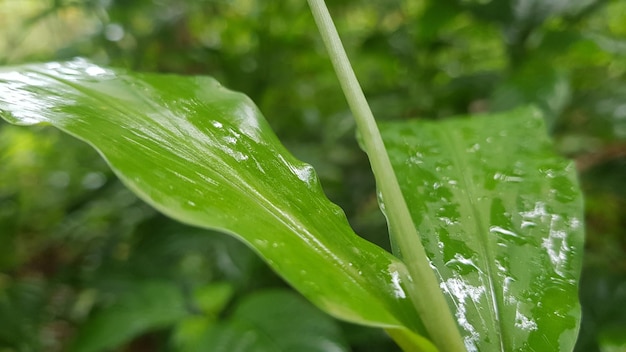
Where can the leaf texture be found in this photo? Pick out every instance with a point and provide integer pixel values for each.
(204, 155)
(500, 216)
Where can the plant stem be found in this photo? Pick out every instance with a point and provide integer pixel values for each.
(428, 299)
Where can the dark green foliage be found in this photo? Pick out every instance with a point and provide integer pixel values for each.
(72, 239)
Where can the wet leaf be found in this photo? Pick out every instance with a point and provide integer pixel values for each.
(500, 216)
(205, 156)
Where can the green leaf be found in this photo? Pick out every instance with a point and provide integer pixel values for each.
(534, 83)
(205, 156)
(148, 306)
(613, 340)
(23, 305)
(500, 216)
(210, 300)
(265, 322)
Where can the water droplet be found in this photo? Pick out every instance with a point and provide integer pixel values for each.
(397, 288)
(557, 248)
(538, 211)
(261, 243)
(230, 140)
(304, 172)
(507, 178)
(416, 159)
(463, 264)
(95, 71)
(502, 231)
(523, 322)
(474, 148)
(446, 220)
(464, 294)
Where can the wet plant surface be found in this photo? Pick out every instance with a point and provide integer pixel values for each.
(75, 244)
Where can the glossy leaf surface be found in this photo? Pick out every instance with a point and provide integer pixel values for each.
(204, 155)
(500, 216)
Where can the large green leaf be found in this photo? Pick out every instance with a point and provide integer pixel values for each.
(204, 155)
(500, 216)
(498, 211)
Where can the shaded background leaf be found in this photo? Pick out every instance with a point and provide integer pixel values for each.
(144, 307)
(258, 323)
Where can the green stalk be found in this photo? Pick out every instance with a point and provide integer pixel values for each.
(424, 291)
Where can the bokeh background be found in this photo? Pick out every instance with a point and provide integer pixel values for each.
(85, 264)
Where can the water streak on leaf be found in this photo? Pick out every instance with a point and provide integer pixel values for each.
(499, 214)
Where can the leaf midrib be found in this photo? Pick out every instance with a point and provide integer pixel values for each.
(451, 138)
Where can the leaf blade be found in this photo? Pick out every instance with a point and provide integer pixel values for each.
(205, 156)
(147, 306)
(487, 203)
(264, 322)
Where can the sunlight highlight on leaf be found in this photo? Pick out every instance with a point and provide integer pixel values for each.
(204, 155)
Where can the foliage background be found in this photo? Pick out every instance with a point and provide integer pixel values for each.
(75, 245)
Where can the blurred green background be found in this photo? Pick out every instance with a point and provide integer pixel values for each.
(86, 266)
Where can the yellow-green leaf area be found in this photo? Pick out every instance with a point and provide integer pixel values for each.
(205, 155)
